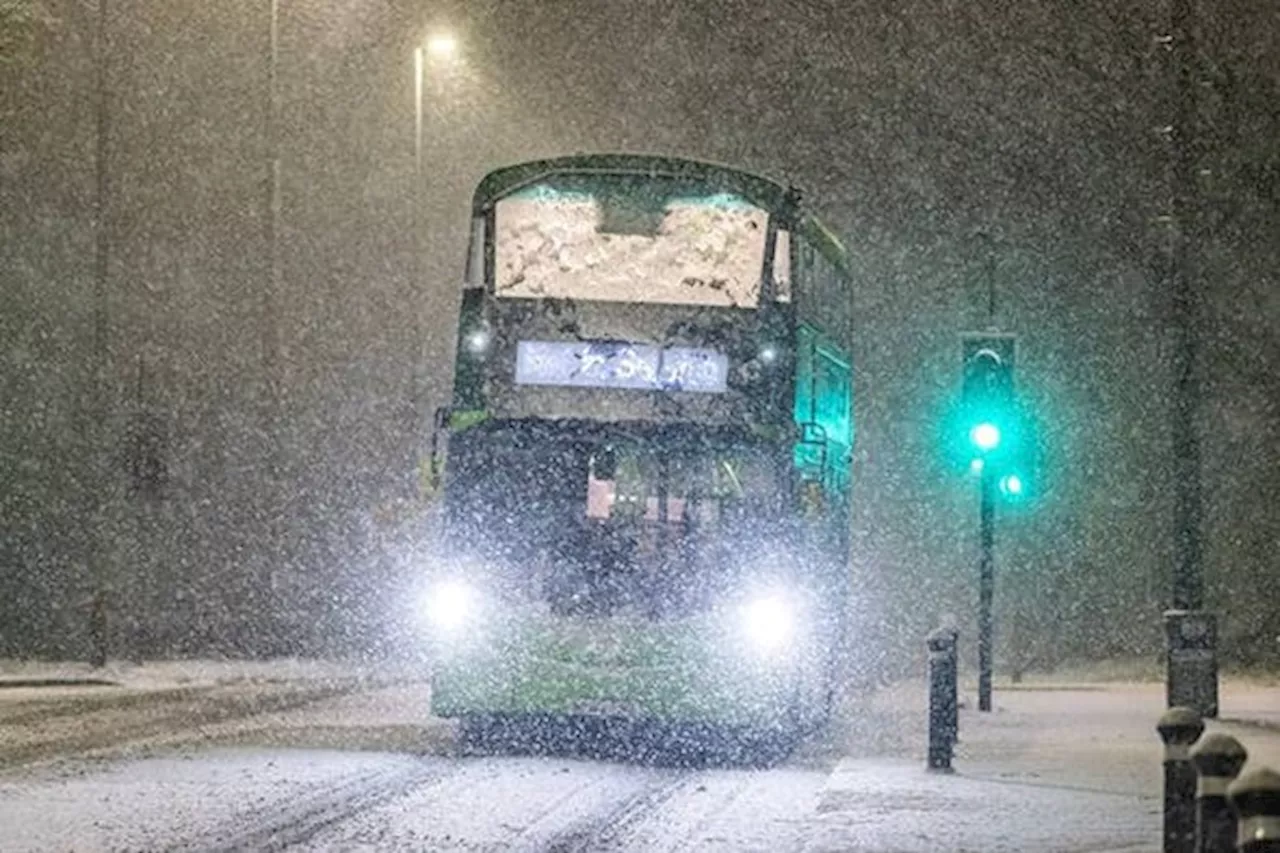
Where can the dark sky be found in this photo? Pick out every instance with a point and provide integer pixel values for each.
(914, 127)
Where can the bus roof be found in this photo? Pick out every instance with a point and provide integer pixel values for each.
(761, 191)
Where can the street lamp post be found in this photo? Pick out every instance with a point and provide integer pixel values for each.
(271, 418)
(438, 48)
(102, 474)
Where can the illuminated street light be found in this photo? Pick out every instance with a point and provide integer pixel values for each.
(440, 49)
(441, 46)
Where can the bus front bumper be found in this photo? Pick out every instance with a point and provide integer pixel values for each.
(692, 680)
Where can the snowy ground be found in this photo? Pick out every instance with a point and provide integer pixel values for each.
(364, 767)
(160, 675)
(48, 711)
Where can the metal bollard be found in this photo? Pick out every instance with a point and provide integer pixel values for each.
(1255, 799)
(954, 633)
(943, 713)
(1179, 728)
(1217, 759)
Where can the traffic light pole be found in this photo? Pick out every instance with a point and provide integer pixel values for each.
(1190, 631)
(986, 586)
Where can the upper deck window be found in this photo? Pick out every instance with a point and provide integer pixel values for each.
(629, 238)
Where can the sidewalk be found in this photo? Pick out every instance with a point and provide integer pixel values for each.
(1052, 768)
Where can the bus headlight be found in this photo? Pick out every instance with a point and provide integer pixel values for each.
(769, 621)
(449, 605)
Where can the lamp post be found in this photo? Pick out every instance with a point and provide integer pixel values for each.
(102, 473)
(266, 581)
(439, 48)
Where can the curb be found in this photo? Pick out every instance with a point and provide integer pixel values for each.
(72, 681)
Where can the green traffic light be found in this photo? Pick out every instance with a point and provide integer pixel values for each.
(985, 436)
(1011, 485)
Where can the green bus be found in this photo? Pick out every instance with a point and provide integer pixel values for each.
(645, 467)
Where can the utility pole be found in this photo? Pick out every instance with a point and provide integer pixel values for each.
(100, 426)
(1190, 631)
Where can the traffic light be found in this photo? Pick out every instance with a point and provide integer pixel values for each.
(988, 403)
(987, 431)
(1011, 485)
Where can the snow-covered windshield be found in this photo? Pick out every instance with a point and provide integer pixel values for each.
(628, 238)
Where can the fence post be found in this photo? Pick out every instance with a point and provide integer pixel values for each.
(943, 713)
(1179, 728)
(1217, 759)
(1255, 799)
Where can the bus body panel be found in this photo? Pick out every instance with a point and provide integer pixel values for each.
(533, 445)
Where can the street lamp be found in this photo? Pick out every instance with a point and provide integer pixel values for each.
(441, 46)
(439, 50)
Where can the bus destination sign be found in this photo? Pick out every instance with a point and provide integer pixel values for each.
(613, 364)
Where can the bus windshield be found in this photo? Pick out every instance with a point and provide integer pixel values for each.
(629, 238)
(601, 526)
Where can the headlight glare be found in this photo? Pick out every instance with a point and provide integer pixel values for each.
(448, 605)
(769, 622)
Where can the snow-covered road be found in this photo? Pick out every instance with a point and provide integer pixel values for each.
(255, 799)
(1053, 769)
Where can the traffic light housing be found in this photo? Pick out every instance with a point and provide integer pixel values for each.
(988, 403)
(988, 430)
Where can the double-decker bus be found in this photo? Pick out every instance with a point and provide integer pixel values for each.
(646, 462)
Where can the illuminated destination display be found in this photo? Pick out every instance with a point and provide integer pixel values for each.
(620, 365)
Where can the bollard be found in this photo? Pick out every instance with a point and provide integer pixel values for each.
(1217, 759)
(954, 634)
(943, 714)
(1179, 728)
(1255, 799)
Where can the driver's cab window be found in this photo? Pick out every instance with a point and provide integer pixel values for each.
(689, 489)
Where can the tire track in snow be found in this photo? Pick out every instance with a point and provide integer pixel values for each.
(722, 809)
(595, 830)
(299, 822)
(502, 804)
